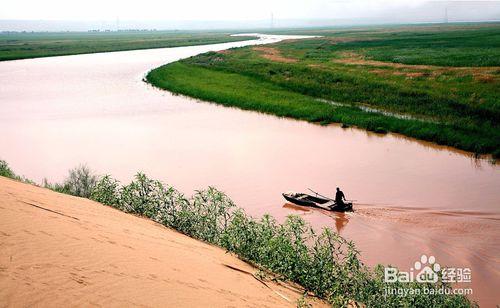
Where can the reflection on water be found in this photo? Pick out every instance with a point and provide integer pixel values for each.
(399, 235)
(299, 208)
(56, 113)
(476, 160)
(340, 218)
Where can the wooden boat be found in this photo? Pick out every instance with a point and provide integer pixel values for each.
(316, 201)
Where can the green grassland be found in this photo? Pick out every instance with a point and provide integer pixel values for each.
(446, 45)
(45, 44)
(436, 83)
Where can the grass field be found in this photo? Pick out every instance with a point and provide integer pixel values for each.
(436, 83)
(33, 45)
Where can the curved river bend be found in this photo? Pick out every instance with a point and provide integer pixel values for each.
(413, 197)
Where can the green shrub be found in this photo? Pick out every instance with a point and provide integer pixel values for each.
(324, 263)
(6, 171)
(142, 196)
(60, 188)
(106, 191)
(173, 210)
(211, 210)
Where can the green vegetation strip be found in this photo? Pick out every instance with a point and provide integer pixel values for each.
(323, 263)
(447, 104)
(34, 45)
(467, 44)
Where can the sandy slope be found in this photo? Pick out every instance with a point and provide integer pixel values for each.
(57, 250)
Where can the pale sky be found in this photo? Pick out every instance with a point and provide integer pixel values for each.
(82, 15)
(86, 10)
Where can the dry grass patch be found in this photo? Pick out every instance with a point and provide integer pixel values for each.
(224, 52)
(482, 74)
(273, 54)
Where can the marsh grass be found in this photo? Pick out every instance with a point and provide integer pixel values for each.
(34, 45)
(459, 44)
(250, 93)
(457, 106)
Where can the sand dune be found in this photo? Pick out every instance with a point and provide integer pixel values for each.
(59, 250)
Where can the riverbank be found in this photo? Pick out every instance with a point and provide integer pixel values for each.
(192, 146)
(59, 249)
(16, 45)
(283, 251)
(343, 78)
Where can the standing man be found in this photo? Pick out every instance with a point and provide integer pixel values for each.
(339, 197)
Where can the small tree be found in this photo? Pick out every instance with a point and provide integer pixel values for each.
(80, 181)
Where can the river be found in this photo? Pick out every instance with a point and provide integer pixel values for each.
(413, 197)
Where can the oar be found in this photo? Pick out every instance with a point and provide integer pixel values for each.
(329, 197)
(317, 194)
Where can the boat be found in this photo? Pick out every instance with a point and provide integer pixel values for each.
(316, 202)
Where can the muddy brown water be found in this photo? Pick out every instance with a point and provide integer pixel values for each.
(413, 197)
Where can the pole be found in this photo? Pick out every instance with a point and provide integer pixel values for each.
(317, 194)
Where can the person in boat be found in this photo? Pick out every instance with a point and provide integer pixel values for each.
(339, 198)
